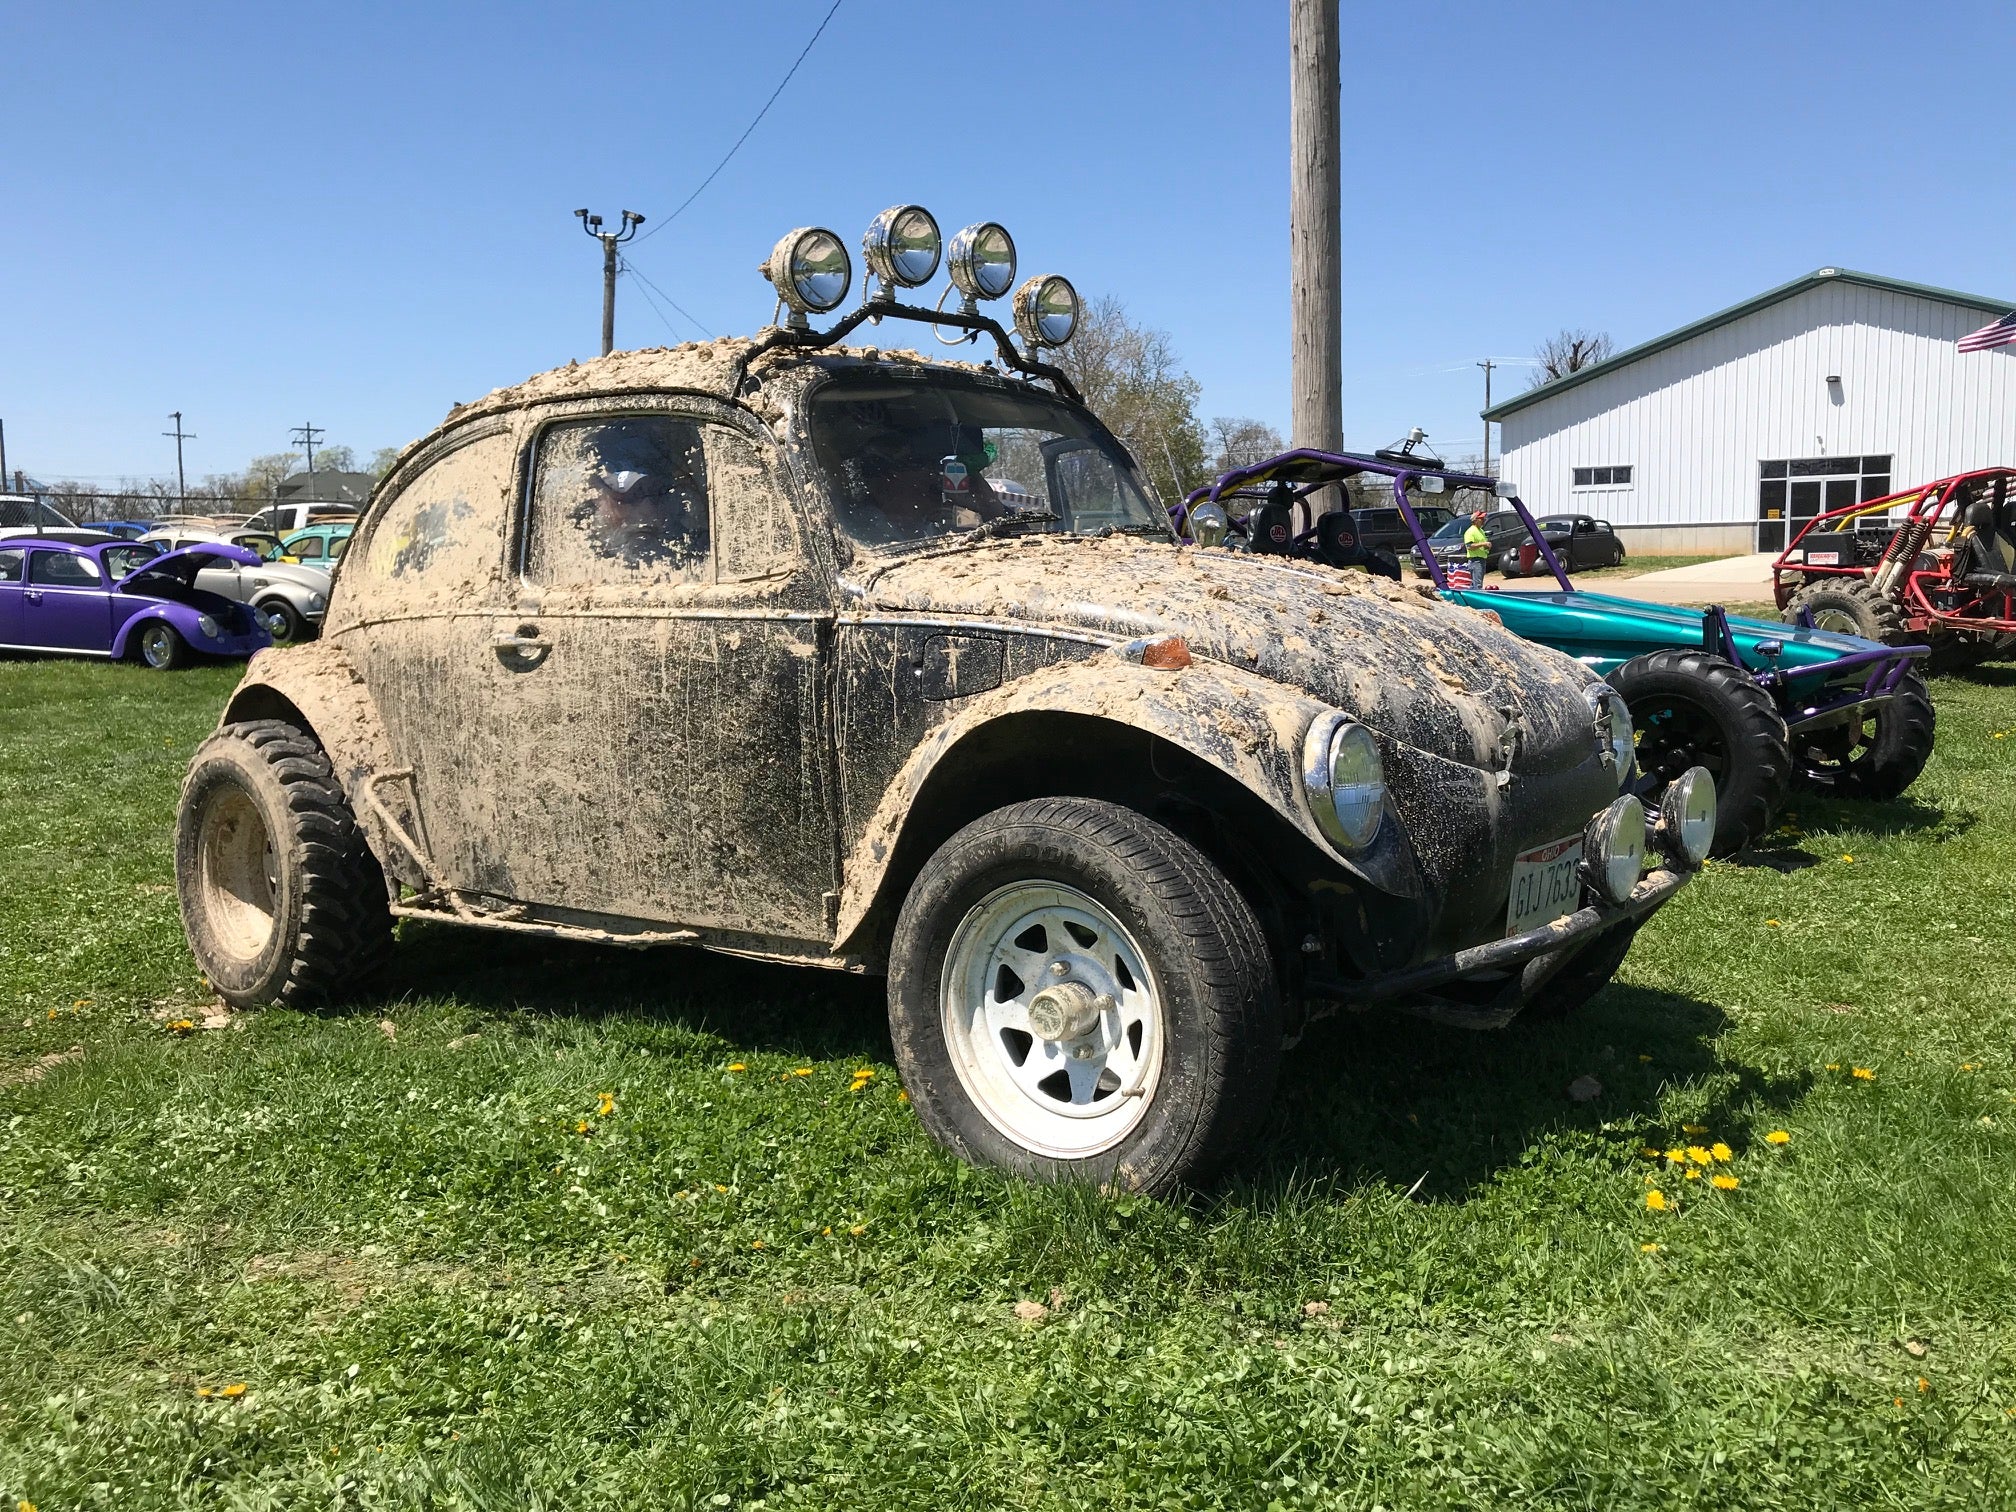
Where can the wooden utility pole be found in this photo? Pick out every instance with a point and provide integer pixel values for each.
(181, 477)
(610, 240)
(1315, 232)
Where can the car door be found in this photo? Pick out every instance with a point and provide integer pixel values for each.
(13, 565)
(672, 629)
(64, 605)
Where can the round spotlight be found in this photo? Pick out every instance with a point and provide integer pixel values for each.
(1046, 311)
(1208, 524)
(982, 261)
(1687, 814)
(810, 270)
(902, 246)
(1613, 849)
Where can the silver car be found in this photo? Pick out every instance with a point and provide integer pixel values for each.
(290, 597)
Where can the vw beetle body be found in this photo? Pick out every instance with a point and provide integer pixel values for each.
(759, 745)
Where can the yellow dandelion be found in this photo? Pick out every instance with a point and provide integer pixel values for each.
(1722, 1152)
(1724, 1183)
(863, 1073)
(605, 1104)
(719, 1188)
(1693, 1128)
(205, 1391)
(1648, 1249)
(236, 1389)
(1777, 1137)
(1863, 1073)
(583, 1127)
(826, 1230)
(1651, 1181)
(1692, 1175)
(2001, 734)
(738, 1066)
(182, 1026)
(1651, 1154)
(1970, 1065)
(1833, 1065)
(1644, 1060)
(1847, 858)
(902, 1096)
(81, 1003)
(1698, 1155)
(1676, 1155)
(1923, 1384)
(802, 1071)
(1898, 1400)
(1656, 1201)
(1773, 923)
(858, 1230)
(757, 1245)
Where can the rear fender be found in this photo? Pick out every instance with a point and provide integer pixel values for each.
(1246, 727)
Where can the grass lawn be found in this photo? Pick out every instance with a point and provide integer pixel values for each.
(1638, 564)
(562, 1228)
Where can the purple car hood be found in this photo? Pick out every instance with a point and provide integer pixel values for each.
(182, 564)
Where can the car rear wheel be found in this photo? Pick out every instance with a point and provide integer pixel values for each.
(1850, 606)
(1076, 993)
(283, 620)
(282, 901)
(162, 646)
(1692, 709)
(1876, 755)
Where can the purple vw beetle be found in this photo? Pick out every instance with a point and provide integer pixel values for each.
(119, 598)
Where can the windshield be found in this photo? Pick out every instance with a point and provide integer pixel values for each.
(121, 560)
(911, 462)
(17, 512)
(268, 547)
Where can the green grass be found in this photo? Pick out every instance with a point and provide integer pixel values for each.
(751, 1287)
(1640, 563)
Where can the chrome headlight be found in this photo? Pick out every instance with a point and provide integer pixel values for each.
(1046, 311)
(207, 625)
(810, 270)
(1687, 815)
(317, 602)
(1208, 524)
(1344, 779)
(1613, 727)
(902, 247)
(981, 261)
(1613, 849)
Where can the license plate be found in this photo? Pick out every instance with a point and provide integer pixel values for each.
(1546, 883)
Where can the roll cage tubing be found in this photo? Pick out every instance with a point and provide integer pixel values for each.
(1332, 467)
(1887, 664)
(805, 339)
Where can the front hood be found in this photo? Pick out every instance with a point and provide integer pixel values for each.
(182, 564)
(1631, 627)
(1431, 675)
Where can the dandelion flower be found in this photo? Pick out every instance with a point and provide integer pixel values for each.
(1690, 1174)
(1693, 1128)
(863, 1073)
(802, 1071)
(605, 1104)
(1778, 1137)
(826, 1230)
(236, 1389)
(1656, 1201)
(1898, 1400)
(719, 1188)
(1676, 1155)
(757, 1245)
(1644, 1060)
(1648, 1249)
(738, 1066)
(1651, 1154)
(1833, 1065)
(1847, 858)
(1863, 1073)
(1773, 923)
(1698, 1155)
(1722, 1152)
(1724, 1183)
(1923, 1384)
(182, 1026)
(583, 1127)
(858, 1230)
(902, 1096)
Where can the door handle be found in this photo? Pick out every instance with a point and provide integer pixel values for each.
(32, 596)
(522, 649)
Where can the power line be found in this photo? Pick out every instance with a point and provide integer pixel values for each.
(638, 273)
(663, 318)
(308, 435)
(745, 135)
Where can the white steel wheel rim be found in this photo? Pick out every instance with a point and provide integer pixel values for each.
(1838, 620)
(239, 872)
(154, 645)
(1085, 1090)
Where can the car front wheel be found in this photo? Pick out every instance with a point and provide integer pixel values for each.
(1693, 709)
(283, 620)
(162, 647)
(1077, 993)
(282, 901)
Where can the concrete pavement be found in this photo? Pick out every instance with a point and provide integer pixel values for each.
(1742, 579)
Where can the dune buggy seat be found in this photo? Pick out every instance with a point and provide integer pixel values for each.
(1990, 553)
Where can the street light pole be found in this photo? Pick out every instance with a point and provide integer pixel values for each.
(610, 240)
(1315, 233)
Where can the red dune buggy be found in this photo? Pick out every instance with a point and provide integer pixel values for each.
(1935, 564)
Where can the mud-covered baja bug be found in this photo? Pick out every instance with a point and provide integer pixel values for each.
(845, 657)
(1759, 706)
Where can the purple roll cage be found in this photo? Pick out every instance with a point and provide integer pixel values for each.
(1310, 470)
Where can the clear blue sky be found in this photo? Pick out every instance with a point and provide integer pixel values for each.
(359, 214)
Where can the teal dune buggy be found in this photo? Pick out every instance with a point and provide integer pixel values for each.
(1762, 705)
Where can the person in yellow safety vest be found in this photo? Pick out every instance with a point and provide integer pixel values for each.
(1477, 548)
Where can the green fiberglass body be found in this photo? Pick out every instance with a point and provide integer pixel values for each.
(1762, 705)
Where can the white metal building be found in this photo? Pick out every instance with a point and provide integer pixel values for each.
(1833, 388)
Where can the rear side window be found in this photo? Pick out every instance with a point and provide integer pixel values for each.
(308, 548)
(10, 566)
(60, 569)
(442, 535)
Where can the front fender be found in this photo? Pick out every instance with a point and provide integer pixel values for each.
(1247, 727)
(123, 638)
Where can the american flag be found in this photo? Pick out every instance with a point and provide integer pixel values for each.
(2001, 333)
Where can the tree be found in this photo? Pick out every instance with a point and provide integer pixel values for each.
(1239, 441)
(1569, 352)
(333, 459)
(382, 460)
(1131, 379)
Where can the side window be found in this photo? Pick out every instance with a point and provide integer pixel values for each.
(59, 569)
(308, 548)
(10, 566)
(443, 533)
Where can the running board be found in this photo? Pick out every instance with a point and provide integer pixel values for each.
(639, 940)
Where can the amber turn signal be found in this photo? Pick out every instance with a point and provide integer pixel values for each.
(1165, 653)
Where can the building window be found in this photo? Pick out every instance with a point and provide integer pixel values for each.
(1792, 490)
(1602, 477)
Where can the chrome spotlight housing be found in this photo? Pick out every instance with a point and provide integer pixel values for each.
(1687, 815)
(1614, 733)
(902, 248)
(1046, 311)
(981, 261)
(1344, 781)
(811, 272)
(1209, 524)
(1613, 849)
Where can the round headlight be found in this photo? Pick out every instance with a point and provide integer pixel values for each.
(1687, 814)
(1208, 524)
(902, 246)
(981, 261)
(1344, 779)
(1613, 848)
(207, 625)
(1613, 727)
(810, 270)
(1046, 311)
(317, 602)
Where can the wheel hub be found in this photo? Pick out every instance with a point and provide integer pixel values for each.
(1066, 1011)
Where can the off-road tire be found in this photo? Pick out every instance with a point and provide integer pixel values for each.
(282, 901)
(1742, 739)
(1214, 973)
(1570, 988)
(1858, 601)
(1890, 763)
(160, 645)
(291, 623)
